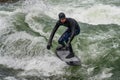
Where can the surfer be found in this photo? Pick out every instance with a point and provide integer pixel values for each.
(72, 30)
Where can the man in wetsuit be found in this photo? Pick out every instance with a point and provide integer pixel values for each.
(73, 29)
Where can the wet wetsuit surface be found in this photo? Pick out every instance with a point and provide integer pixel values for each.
(72, 30)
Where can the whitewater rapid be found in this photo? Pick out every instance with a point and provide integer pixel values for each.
(22, 48)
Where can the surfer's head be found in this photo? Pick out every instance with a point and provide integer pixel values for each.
(62, 17)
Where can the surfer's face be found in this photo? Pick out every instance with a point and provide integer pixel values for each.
(63, 20)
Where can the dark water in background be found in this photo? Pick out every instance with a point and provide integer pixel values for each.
(25, 27)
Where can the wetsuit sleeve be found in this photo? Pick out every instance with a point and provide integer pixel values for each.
(53, 32)
(72, 23)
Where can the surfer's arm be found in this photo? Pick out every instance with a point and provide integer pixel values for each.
(53, 33)
(72, 32)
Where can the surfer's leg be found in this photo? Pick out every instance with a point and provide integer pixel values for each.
(70, 47)
(76, 33)
(63, 39)
(71, 52)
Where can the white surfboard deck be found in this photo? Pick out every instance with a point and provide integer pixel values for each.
(62, 54)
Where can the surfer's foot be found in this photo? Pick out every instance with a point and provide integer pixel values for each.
(70, 55)
(60, 47)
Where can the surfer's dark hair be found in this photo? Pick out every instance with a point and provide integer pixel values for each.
(61, 15)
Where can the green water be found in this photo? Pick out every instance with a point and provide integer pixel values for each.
(25, 27)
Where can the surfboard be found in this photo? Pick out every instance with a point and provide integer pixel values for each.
(73, 61)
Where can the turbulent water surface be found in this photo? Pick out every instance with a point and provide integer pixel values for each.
(25, 27)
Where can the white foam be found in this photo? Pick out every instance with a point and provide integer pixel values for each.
(37, 66)
(105, 74)
(90, 70)
(97, 14)
(18, 35)
(34, 25)
(46, 66)
(101, 14)
(50, 65)
(36, 61)
(34, 6)
(2, 24)
(10, 78)
(3, 21)
(21, 44)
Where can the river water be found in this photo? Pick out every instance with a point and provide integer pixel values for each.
(25, 27)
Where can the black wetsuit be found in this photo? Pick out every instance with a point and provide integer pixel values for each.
(73, 29)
